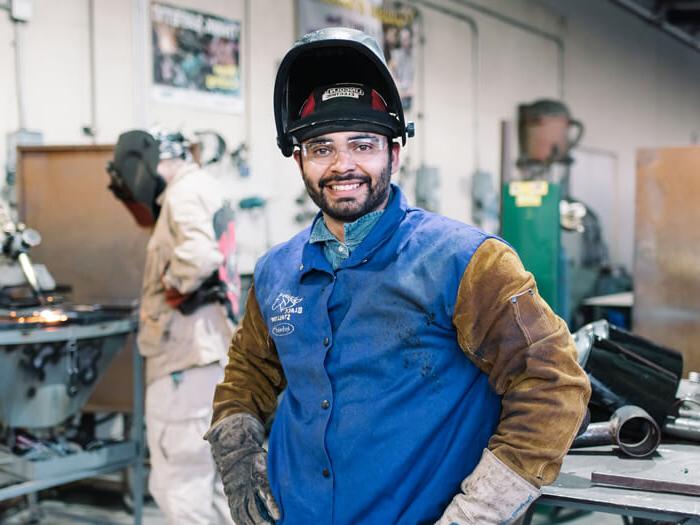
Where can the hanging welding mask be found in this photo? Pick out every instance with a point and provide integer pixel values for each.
(336, 79)
(134, 178)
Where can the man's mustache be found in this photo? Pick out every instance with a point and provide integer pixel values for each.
(339, 179)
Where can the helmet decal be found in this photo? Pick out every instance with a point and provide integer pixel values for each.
(351, 65)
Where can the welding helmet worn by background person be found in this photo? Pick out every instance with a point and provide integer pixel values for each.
(345, 64)
(134, 170)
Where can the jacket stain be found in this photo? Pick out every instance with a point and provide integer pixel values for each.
(423, 360)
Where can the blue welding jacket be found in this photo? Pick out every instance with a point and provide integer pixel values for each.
(383, 415)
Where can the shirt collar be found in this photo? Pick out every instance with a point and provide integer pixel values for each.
(354, 232)
(312, 254)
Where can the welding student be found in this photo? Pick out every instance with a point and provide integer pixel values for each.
(184, 325)
(425, 380)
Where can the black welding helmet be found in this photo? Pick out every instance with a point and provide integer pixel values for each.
(336, 79)
(134, 175)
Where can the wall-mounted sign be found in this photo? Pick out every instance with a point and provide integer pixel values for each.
(390, 22)
(528, 193)
(196, 59)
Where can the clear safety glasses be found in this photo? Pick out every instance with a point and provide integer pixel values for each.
(362, 149)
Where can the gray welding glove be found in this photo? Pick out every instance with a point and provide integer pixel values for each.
(493, 494)
(236, 444)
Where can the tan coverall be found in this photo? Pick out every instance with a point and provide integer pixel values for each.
(183, 353)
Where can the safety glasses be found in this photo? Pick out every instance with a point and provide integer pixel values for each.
(363, 149)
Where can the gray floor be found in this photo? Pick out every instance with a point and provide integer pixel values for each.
(79, 504)
(59, 513)
(107, 509)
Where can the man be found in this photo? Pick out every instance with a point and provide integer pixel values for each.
(424, 379)
(184, 328)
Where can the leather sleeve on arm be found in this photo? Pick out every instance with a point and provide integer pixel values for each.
(253, 376)
(512, 335)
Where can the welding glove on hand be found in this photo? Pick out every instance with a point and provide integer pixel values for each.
(236, 443)
(492, 494)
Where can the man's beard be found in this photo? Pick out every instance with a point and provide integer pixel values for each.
(350, 210)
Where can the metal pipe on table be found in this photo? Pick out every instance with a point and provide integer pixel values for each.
(683, 427)
(631, 428)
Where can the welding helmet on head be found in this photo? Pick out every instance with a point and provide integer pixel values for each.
(336, 79)
(134, 175)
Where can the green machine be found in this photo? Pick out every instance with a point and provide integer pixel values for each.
(531, 200)
(530, 223)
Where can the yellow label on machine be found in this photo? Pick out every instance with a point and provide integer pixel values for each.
(528, 193)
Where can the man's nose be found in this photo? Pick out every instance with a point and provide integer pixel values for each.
(344, 161)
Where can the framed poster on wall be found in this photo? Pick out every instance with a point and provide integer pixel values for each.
(195, 59)
(390, 22)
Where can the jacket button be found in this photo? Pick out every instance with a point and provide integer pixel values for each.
(326, 341)
(326, 473)
(325, 404)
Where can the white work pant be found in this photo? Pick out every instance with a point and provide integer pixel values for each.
(183, 480)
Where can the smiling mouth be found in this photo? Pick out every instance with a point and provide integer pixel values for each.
(345, 186)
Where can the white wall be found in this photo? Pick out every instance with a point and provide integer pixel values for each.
(631, 85)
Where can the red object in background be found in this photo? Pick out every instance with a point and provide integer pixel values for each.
(174, 298)
(225, 231)
(547, 132)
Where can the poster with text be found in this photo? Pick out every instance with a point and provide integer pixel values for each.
(196, 59)
(391, 23)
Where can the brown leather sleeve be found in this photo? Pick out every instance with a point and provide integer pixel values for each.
(512, 335)
(253, 377)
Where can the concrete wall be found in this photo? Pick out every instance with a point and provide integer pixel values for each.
(632, 86)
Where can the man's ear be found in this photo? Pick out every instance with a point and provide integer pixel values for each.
(297, 158)
(395, 157)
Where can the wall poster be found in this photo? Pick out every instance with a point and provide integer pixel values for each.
(392, 23)
(196, 59)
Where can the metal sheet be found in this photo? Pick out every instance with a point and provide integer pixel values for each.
(650, 484)
(573, 487)
(667, 250)
(90, 241)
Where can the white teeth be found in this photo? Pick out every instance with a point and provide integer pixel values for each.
(344, 187)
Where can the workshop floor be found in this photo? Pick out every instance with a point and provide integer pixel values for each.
(543, 516)
(105, 508)
(80, 504)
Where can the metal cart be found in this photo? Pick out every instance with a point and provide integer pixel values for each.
(20, 478)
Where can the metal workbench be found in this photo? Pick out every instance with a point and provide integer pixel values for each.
(128, 454)
(679, 463)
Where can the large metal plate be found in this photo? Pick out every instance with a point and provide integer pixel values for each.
(90, 240)
(667, 250)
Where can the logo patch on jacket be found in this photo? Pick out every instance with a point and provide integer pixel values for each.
(282, 329)
(285, 301)
(286, 305)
